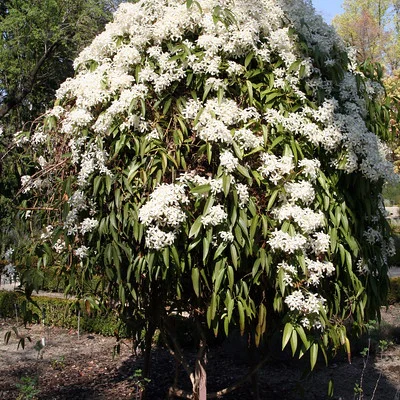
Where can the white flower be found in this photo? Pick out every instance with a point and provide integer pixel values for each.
(308, 303)
(164, 206)
(228, 161)
(307, 219)
(8, 254)
(300, 191)
(280, 240)
(216, 215)
(274, 168)
(372, 236)
(88, 225)
(10, 272)
(82, 252)
(48, 231)
(216, 185)
(310, 168)
(289, 272)
(226, 236)
(320, 242)
(247, 140)
(243, 193)
(59, 246)
(318, 270)
(158, 239)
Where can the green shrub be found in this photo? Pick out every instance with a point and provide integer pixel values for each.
(62, 313)
(7, 304)
(51, 279)
(394, 291)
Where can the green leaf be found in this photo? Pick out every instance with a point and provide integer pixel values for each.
(248, 59)
(241, 317)
(201, 189)
(226, 184)
(218, 280)
(231, 276)
(287, 333)
(196, 281)
(313, 355)
(234, 255)
(272, 199)
(243, 171)
(195, 228)
(250, 92)
(293, 342)
(330, 388)
(303, 336)
(276, 142)
(220, 250)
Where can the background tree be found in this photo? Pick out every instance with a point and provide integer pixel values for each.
(368, 27)
(38, 43)
(373, 30)
(222, 162)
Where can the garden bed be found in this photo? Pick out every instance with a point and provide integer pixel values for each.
(84, 368)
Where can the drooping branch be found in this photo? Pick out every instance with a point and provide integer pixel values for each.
(15, 99)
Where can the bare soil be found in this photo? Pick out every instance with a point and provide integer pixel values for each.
(81, 368)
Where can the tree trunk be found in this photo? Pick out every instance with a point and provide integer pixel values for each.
(200, 374)
(148, 341)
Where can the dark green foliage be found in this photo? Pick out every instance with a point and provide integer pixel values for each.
(394, 291)
(391, 193)
(62, 313)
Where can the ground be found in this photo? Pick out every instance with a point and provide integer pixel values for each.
(81, 368)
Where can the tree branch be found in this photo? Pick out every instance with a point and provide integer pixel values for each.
(15, 99)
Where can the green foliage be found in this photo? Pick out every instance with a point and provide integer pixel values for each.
(52, 279)
(394, 291)
(62, 313)
(222, 272)
(391, 193)
(39, 40)
(27, 388)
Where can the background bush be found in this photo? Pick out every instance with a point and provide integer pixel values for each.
(62, 313)
(394, 291)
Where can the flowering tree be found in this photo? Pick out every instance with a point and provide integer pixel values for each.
(221, 159)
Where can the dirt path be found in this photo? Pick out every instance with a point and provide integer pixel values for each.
(68, 368)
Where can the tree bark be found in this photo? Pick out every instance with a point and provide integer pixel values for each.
(200, 374)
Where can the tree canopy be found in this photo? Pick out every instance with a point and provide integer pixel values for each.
(219, 159)
(39, 41)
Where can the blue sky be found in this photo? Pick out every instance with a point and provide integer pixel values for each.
(328, 8)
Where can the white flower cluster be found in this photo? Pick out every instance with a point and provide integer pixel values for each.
(275, 168)
(82, 252)
(302, 191)
(328, 137)
(310, 168)
(216, 215)
(59, 246)
(8, 254)
(320, 242)
(318, 270)
(372, 236)
(88, 225)
(305, 303)
(243, 193)
(289, 273)
(228, 161)
(47, 232)
(307, 219)
(287, 243)
(226, 236)
(163, 215)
